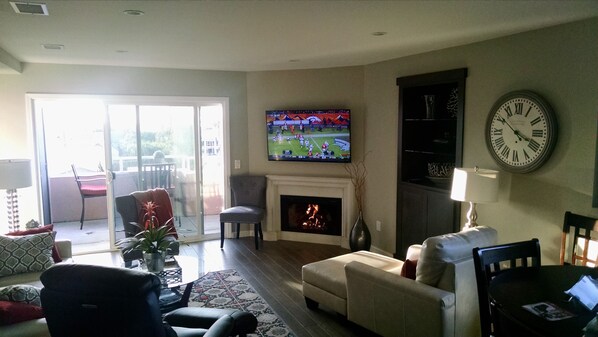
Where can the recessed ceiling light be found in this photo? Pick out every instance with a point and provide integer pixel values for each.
(133, 12)
(294, 60)
(379, 33)
(120, 51)
(51, 46)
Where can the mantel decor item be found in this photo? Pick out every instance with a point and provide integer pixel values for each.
(474, 185)
(14, 173)
(360, 237)
(151, 240)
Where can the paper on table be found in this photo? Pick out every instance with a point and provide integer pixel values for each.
(586, 291)
(548, 311)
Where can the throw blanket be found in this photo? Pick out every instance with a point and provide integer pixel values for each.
(164, 210)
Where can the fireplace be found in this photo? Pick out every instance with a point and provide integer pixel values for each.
(311, 187)
(309, 214)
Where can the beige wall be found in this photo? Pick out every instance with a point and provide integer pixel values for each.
(302, 89)
(15, 133)
(560, 63)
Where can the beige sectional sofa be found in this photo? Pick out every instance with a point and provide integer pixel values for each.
(368, 288)
(37, 327)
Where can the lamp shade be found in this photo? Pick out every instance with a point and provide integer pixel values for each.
(15, 173)
(475, 185)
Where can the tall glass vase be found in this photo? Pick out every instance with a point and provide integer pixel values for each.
(360, 237)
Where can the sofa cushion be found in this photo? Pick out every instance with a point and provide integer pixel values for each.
(16, 312)
(440, 250)
(43, 229)
(409, 268)
(329, 274)
(22, 254)
(24, 293)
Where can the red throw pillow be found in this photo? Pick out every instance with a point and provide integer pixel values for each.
(43, 229)
(408, 269)
(16, 312)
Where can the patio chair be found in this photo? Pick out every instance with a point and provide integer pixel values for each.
(90, 186)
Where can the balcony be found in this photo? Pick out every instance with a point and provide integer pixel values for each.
(65, 207)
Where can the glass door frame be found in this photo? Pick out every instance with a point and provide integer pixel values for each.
(196, 102)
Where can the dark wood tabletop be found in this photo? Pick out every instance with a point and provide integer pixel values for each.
(521, 286)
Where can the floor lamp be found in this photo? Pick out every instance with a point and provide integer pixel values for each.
(474, 185)
(14, 173)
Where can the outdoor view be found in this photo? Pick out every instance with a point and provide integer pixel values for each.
(140, 138)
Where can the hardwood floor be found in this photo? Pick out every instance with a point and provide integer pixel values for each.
(274, 271)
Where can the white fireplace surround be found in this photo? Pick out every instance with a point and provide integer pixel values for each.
(327, 187)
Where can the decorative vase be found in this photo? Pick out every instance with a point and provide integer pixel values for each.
(154, 261)
(430, 106)
(360, 238)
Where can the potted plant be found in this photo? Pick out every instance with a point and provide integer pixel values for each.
(151, 240)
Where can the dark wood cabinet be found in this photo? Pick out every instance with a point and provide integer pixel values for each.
(429, 144)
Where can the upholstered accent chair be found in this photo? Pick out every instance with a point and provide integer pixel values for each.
(377, 292)
(130, 208)
(249, 205)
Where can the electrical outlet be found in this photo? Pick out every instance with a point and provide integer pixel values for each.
(378, 225)
(237, 164)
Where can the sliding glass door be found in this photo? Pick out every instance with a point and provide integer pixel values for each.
(137, 143)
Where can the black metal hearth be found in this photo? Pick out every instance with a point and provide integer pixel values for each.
(306, 214)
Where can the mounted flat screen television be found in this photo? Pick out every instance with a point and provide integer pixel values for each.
(309, 135)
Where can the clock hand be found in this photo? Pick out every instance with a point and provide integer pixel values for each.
(504, 121)
(521, 135)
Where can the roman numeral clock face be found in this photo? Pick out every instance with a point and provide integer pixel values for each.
(521, 131)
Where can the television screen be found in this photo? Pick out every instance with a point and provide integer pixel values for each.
(309, 135)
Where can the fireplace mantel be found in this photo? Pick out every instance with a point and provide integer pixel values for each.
(331, 187)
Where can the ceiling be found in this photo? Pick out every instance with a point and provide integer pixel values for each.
(263, 35)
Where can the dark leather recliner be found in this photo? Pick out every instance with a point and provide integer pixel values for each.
(98, 301)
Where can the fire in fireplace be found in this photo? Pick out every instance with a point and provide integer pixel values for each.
(308, 214)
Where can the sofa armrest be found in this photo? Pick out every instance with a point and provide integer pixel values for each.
(392, 305)
(65, 248)
(413, 252)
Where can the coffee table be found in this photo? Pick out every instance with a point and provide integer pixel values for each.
(179, 273)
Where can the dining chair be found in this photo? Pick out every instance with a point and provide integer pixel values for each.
(493, 260)
(249, 203)
(579, 240)
(162, 175)
(90, 186)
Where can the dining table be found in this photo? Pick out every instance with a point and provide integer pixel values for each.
(539, 288)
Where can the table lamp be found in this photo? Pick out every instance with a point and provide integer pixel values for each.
(14, 173)
(474, 185)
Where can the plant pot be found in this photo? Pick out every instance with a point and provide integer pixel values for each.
(360, 237)
(154, 262)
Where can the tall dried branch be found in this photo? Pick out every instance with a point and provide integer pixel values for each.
(358, 173)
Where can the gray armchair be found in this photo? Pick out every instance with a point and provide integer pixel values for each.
(249, 203)
(130, 208)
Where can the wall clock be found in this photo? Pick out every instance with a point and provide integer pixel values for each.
(521, 131)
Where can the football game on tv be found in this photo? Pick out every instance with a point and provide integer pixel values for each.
(309, 135)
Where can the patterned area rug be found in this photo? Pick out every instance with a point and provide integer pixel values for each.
(227, 289)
